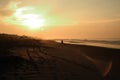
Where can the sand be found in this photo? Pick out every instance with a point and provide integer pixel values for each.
(55, 61)
(105, 60)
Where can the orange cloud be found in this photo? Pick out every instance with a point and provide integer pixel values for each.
(6, 12)
(7, 7)
(102, 21)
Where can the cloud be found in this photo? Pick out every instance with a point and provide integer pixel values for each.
(102, 21)
(7, 7)
(6, 12)
(3, 3)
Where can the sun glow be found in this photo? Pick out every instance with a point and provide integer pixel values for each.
(30, 20)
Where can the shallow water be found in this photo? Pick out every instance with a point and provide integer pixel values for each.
(101, 43)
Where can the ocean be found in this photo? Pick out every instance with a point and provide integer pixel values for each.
(108, 43)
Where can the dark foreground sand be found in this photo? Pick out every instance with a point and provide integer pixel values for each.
(55, 61)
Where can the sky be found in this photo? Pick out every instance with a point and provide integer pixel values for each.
(70, 19)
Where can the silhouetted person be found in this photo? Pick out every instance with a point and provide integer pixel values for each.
(62, 42)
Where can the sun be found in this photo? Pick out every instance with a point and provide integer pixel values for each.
(30, 20)
(33, 21)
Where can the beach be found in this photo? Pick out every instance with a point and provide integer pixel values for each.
(55, 61)
(104, 60)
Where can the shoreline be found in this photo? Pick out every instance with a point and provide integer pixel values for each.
(84, 45)
(99, 43)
